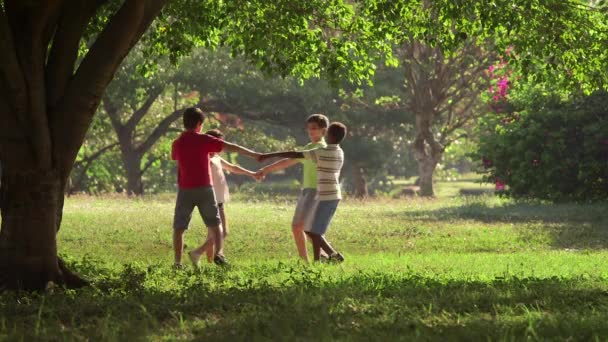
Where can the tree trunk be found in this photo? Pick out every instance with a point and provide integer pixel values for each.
(132, 164)
(31, 202)
(46, 107)
(360, 182)
(428, 152)
(426, 169)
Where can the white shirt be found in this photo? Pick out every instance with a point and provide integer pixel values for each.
(220, 185)
(329, 162)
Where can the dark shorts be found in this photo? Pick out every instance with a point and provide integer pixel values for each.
(202, 198)
(305, 207)
(323, 213)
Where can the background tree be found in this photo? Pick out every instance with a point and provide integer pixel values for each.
(444, 93)
(128, 103)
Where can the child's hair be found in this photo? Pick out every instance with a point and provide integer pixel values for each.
(192, 116)
(215, 133)
(337, 130)
(319, 119)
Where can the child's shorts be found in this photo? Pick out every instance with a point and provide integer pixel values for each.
(323, 213)
(204, 199)
(305, 207)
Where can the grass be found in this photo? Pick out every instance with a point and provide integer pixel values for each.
(454, 268)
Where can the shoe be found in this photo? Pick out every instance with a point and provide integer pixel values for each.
(336, 258)
(177, 266)
(195, 258)
(220, 260)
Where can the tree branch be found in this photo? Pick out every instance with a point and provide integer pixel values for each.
(64, 51)
(112, 112)
(85, 90)
(97, 154)
(10, 70)
(143, 110)
(148, 164)
(159, 131)
(31, 47)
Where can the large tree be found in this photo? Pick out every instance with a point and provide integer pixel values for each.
(57, 59)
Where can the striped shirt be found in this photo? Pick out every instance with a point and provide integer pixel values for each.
(329, 161)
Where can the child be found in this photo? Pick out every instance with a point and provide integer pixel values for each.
(329, 162)
(191, 151)
(316, 126)
(220, 186)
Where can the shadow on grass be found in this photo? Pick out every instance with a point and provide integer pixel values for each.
(307, 304)
(569, 225)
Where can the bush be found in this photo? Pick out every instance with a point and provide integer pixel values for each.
(550, 149)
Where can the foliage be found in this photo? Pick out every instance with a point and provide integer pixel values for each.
(548, 36)
(549, 148)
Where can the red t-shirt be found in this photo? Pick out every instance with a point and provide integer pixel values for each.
(191, 150)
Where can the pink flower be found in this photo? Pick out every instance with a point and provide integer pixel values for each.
(499, 186)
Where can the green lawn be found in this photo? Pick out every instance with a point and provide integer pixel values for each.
(453, 268)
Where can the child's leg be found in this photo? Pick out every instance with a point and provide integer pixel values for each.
(301, 219)
(210, 241)
(325, 246)
(211, 217)
(178, 244)
(300, 238)
(220, 207)
(324, 212)
(181, 220)
(316, 245)
(218, 239)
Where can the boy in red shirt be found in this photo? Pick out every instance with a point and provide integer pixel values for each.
(191, 151)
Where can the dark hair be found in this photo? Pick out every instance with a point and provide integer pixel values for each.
(319, 119)
(215, 133)
(192, 116)
(337, 131)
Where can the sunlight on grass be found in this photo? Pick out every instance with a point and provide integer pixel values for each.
(461, 268)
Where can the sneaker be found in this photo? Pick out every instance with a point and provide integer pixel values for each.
(336, 257)
(195, 258)
(220, 260)
(177, 266)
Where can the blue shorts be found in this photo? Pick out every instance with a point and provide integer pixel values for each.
(323, 213)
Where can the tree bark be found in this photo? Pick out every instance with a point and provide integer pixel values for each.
(32, 203)
(132, 164)
(41, 130)
(428, 152)
(426, 169)
(360, 182)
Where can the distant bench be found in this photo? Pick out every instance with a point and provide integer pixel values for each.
(475, 192)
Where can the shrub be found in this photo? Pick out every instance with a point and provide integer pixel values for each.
(549, 149)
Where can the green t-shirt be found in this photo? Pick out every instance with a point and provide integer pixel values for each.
(309, 179)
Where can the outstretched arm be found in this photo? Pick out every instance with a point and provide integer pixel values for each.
(236, 169)
(230, 147)
(279, 165)
(290, 155)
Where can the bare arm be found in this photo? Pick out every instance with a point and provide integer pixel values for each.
(230, 147)
(290, 154)
(279, 165)
(236, 169)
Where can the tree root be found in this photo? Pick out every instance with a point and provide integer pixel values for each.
(18, 278)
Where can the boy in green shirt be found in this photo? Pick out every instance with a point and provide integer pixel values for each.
(316, 126)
